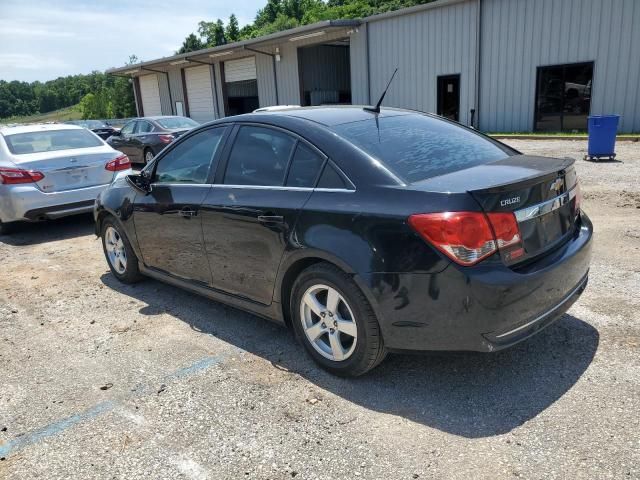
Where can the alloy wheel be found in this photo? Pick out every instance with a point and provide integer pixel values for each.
(116, 253)
(328, 322)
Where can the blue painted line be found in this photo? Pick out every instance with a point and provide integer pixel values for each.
(196, 367)
(54, 428)
(103, 407)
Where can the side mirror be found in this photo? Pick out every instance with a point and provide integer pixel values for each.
(140, 182)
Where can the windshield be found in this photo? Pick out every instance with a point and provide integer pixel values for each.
(416, 147)
(50, 140)
(177, 122)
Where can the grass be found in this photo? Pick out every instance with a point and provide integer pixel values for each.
(62, 115)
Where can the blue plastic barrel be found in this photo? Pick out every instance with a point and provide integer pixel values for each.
(602, 135)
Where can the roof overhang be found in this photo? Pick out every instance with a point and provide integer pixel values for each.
(213, 54)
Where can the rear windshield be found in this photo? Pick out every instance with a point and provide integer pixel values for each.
(417, 147)
(50, 140)
(177, 122)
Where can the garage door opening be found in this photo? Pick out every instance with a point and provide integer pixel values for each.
(241, 86)
(325, 74)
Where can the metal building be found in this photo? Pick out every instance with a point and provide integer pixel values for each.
(499, 65)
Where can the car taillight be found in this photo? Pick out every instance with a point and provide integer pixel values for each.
(469, 237)
(120, 163)
(166, 138)
(12, 176)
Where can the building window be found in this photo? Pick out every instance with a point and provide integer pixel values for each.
(563, 97)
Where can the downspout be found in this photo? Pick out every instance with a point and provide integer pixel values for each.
(478, 62)
(273, 63)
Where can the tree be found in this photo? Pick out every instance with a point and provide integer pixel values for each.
(232, 32)
(190, 44)
(212, 33)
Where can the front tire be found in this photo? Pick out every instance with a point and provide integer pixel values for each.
(335, 322)
(121, 258)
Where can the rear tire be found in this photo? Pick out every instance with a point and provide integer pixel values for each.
(335, 322)
(148, 156)
(121, 258)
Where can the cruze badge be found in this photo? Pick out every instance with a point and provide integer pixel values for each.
(509, 201)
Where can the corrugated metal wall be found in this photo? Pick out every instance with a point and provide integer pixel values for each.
(424, 45)
(165, 96)
(359, 70)
(266, 83)
(520, 35)
(177, 92)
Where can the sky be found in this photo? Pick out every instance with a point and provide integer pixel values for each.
(46, 39)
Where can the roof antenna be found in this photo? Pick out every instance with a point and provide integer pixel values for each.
(376, 109)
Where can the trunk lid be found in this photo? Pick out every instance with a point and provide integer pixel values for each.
(539, 191)
(69, 169)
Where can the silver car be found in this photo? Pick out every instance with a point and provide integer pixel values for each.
(51, 171)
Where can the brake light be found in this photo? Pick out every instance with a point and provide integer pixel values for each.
(469, 237)
(12, 176)
(465, 237)
(120, 163)
(166, 138)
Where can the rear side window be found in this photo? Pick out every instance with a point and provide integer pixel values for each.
(417, 147)
(143, 127)
(330, 178)
(259, 156)
(304, 168)
(190, 160)
(50, 141)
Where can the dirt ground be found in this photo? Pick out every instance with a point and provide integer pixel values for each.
(102, 380)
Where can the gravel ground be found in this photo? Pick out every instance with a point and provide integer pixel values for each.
(102, 380)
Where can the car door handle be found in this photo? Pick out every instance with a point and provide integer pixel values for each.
(187, 213)
(271, 219)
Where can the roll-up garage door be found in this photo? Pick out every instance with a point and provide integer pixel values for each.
(239, 70)
(199, 93)
(150, 95)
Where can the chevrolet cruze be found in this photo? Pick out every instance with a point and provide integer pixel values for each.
(364, 231)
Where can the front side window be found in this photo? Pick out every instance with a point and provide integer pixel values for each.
(50, 141)
(416, 147)
(190, 160)
(260, 156)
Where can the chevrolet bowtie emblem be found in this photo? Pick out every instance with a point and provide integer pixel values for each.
(557, 184)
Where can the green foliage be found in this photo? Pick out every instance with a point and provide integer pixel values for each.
(278, 15)
(190, 44)
(108, 96)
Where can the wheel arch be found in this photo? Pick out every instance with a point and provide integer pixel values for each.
(295, 264)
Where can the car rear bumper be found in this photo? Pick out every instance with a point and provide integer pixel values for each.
(482, 308)
(28, 203)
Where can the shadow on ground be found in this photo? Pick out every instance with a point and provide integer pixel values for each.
(468, 394)
(50, 231)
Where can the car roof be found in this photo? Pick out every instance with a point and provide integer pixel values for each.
(335, 114)
(38, 128)
(158, 117)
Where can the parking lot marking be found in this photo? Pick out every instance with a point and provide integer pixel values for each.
(103, 407)
(54, 428)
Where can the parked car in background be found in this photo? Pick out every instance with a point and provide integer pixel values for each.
(51, 171)
(143, 138)
(98, 127)
(365, 231)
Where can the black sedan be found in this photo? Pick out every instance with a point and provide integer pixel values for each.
(364, 232)
(141, 139)
(100, 128)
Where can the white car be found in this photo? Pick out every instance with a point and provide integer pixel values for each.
(51, 171)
